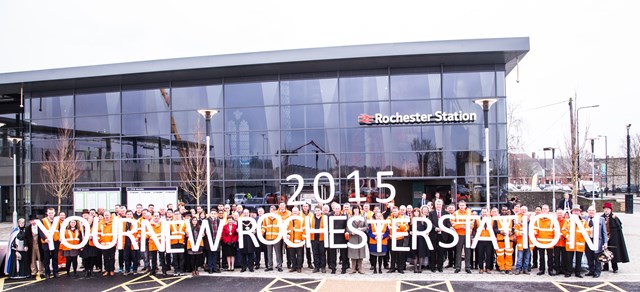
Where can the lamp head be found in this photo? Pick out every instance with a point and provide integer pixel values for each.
(2, 125)
(628, 126)
(207, 113)
(548, 148)
(485, 103)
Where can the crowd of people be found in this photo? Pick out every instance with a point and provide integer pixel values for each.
(32, 256)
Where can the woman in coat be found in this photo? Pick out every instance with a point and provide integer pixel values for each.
(229, 242)
(73, 236)
(90, 253)
(357, 254)
(17, 263)
(422, 250)
(377, 256)
(195, 257)
(616, 239)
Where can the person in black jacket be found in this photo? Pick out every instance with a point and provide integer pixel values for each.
(436, 258)
(616, 239)
(565, 204)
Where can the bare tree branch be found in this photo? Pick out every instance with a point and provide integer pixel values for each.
(193, 166)
(61, 168)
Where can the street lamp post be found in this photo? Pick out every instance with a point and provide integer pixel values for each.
(486, 103)
(578, 135)
(553, 174)
(628, 199)
(207, 114)
(593, 173)
(15, 141)
(606, 163)
(263, 169)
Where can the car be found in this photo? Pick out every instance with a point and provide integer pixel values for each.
(239, 198)
(255, 203)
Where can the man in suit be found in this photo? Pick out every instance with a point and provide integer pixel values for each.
(565, 204)
(212, 253)
(436, 236)
(595, 267)
(423, 200)
(50, 256)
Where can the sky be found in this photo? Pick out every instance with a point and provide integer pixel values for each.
(587, 49)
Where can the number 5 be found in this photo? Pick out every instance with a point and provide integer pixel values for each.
(392, 190)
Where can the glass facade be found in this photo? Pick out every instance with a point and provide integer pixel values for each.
(273, 126)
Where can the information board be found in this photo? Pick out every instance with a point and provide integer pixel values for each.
(158, 196)
(94, 198)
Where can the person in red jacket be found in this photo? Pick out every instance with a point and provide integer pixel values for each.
(229, 242)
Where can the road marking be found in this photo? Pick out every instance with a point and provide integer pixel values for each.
(587, 288)
(428, 286)
(291, 284)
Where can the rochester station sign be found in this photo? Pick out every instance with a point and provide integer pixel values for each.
(417, 118)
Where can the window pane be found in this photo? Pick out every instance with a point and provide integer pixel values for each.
(309, 91)
(415, 86)
(417, 138)
(310, 141)
(149, 100)
(463, 137)
(251, 94)
(51, 127)
(99, 148)
(413, 107)
(310, 116)
(469, 84)
(107, 103)
(145, 170)
(252, 119)
(52, 107)
(368, 163)
(146, 124)
(366, 139)
(496, 112)
(145, 147)
(198, 97)
(98, 126)
(188, 122)
(364, 88)
(100, 171)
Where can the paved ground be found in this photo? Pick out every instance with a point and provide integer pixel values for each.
(628, 279)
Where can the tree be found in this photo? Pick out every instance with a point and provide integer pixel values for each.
(193, 166)
(61, 169)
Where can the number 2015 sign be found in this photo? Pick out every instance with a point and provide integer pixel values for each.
(354, 175)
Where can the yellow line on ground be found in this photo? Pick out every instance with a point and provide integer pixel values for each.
(449, 286)
(173, 283)
(616, 287)
(2, 283)
(123, 285)
(398, 285)
(292, 284)
(266, 288)
(22, 285)
(597, 287)
(320, 285)
(428, 287)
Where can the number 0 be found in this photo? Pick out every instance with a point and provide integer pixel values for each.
(316, 191)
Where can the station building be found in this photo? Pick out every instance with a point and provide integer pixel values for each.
(401, 107)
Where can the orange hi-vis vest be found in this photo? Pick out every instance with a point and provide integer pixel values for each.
(580, 241)
(179, 229)
(73, 237)
(296, 231)
(368, 215)
(544, 230)
(519, 235)
(499, 235)
(48, 225)
(105, 232)
(385, 240)
(562, 241)
(485, 231)
(312, 224)
(135, 235)
(458, 223)
(283, 215)
(403, 227)
(270, 228)
(157, 228)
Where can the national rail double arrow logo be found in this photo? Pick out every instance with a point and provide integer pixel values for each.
(365, 119)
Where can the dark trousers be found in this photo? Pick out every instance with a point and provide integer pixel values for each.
(97, 261)
(153, 257)
(88, 263)
(569, 259)
(549, 260)
(467, 254)
(246, 260)
(72, 261)
(109, 256)
(120, 259)
(436, 257)
(212, 260)
(163, 261)
(484, 249)
(260, 250)
(333, 256)
(451, 255)
(319, 259)
(595, 267)
(560, 259)
(398, 260)
(535, 258)
(130, 260)
(50, 257)
(614, 265)
(307, 251)
(178, 258)
(297, 257)
(194, 261)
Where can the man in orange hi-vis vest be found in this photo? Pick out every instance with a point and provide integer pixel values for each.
(579, 244)
(295, 232)
(317, 241)
(50, 255)
(544, 232)
(459, 224)
(106, 231)
(504, 253)
(270, 230)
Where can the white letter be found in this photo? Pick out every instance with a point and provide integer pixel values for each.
(85, 226)
(424, 233)
(332, 230)
(357, 232)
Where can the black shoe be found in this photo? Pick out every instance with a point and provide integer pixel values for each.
(310, 266)
(268, 269)
(552, 273)
(440, 270)
(448, 266)
(243, 270)
(401, 271)
(55, 275)
(589, 274)
(567, 275)
(596, 275)
(333, 271)
(507, 272)
(433, 270)
(468, 271)
(540, 273)
(615, 271)
(315, 270)
(343, 272)
(392, 271)
(578, 275)
(323, 270)
(534, 266)
(279, 269)
(457, 271)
